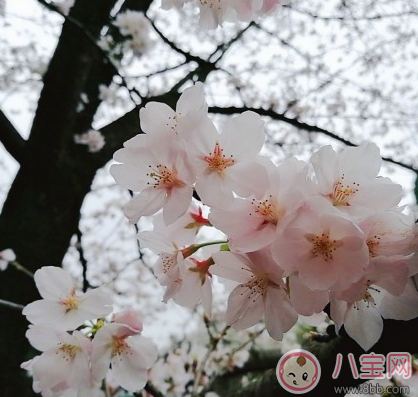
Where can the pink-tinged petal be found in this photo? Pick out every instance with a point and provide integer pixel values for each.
(126, 178)
(148, 202)
(79, 374)
(157, 118)
(44, 312)
(364, 324)
(245, 307)
(237, 220)
(130, 318)
(101, 352)
(243, 136)
(177, 203)
(279, 314)
(403, 307)
(306, 301)
(53, 283)
(229, 266)
(254, 241)
(42, 337)
(319, 275)
(391, 276)
(214, 190)
(249, 178)
(338, 310)
(192, 99)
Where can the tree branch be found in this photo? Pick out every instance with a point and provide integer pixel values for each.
(11, 139)
(300, 125)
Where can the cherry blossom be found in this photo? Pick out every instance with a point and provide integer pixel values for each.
(130, 356)
(160, 122)
(6, 256)
(362, 316)
(161, 175)
(92, 138)
(350, 181)
(261, 292)
(61, 306)
(327, 249)
(228, 162)
(252, 224)
(64, 362)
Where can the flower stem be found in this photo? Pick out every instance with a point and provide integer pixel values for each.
(21, 268)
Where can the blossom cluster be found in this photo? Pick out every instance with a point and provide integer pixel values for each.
(78, 345)
(215, 12)
(300, 235)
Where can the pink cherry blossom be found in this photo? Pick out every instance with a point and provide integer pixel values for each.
(261, 292)
(252, 224)
(65, 361)
(61, 306)
(161, 175)
(350, 181)
(163, 124)
(195, 285)
(362, 318)
(130, 356)
(227, 162)
(327, 249)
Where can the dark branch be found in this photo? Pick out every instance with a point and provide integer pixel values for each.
(11, 139)
(300, 125)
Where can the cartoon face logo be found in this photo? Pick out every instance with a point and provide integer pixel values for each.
(298, 371)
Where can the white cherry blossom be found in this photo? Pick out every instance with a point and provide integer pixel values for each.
(62, 306)
(130, 356)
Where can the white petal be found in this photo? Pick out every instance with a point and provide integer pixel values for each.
(156, 118)
(402, 307)
(279, 314)
(231, 267)
(177, 203)
(44, 312)
(214, 190)
(243, 136)
(148, 202)
(248, 179)
(245, 307)
(306, 301)
(42, 337)
(53, 283)
(364, 324)
(192, 99)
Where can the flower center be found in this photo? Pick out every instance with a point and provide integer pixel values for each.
(211, 3)
(169, 261)
(217, 161)
(323, 246)
(373, 245)
(342, 193)
(119, 346)
(71, 302)
(257, 286)
(163, 177)
(70, 351)
(268, 210)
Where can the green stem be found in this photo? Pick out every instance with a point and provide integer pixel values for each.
(21, 268)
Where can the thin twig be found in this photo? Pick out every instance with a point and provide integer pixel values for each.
(11, 305)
